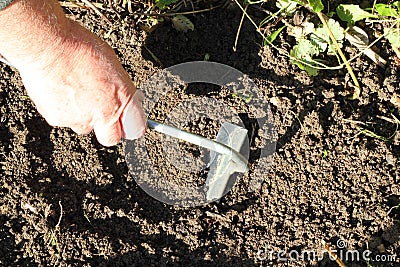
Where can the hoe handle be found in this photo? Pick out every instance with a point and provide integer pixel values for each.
(200, 141)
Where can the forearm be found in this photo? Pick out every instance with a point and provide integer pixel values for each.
(29, 28)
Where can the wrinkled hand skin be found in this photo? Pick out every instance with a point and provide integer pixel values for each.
(75, 80)
(85, 88)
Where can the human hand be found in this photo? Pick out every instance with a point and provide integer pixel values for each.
(74, 78)
(81, 84)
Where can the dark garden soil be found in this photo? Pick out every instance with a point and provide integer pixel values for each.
(66, 200)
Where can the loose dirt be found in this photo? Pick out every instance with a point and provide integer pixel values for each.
(66, 200)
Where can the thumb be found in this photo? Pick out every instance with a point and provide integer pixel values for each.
(133, 120)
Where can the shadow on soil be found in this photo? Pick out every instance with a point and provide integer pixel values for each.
(71, 193)
(214, 36)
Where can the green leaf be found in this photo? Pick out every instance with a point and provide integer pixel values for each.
(387, 10)
(321, 36)
(303, 52)
(393, 36)
(316, 5)
(330, 14)
(182, 23)
(301, 31)
(270, 38)
(307, 48)
(287, 6)
(352, 13)
(162, 4)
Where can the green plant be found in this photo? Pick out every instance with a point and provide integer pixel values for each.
(387, 14)
(325, 153)
(374, 135)
(162, 4)
(316, 39)
(52, 243)
(352, 13)
(312, 40)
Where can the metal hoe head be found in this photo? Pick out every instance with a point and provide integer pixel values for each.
(225, 158)
(223, 166)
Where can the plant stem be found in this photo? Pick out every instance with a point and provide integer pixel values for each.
(240, 27)
(357, 89)
(396, 50)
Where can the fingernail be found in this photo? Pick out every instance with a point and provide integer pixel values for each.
(133, 120)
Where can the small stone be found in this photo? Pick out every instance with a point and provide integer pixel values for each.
(328, 94)
(338, 149)
(395, 100)
(390, 160)
(381, 248)
(113, 38)
(275, 101)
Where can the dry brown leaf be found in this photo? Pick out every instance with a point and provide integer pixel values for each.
(359, 38)
(182, 23)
